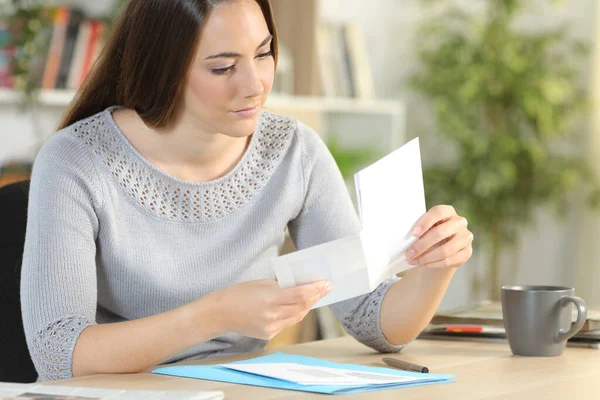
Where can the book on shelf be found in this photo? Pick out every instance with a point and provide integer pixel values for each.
(343, 61)
(496, 334)
(326, 60)
(79, 54)
(483, 322)
(358, 61)
(70, 46)
(92, 51)
(60, 20)
(73, 24)
(76, 44)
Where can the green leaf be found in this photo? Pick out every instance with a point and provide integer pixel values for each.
(505, 101)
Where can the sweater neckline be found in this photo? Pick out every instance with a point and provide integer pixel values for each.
(173, 199)
(156, 170)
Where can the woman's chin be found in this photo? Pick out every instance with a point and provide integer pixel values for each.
(241, 128)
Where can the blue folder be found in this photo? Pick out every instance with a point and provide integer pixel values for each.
(222, 374)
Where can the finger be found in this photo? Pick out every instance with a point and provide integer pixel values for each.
(288, 310)
(436, 235)
(454, 261)
(434, 216)
(444, 250)
(314, 299)
(415, 261)
(304, 293)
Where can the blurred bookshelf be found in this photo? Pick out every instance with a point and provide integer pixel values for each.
(329, 54)
(323, 76)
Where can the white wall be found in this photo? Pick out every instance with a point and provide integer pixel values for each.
(546, 252)
(21, 133)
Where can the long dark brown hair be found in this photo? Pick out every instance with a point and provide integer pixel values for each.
(146, 58)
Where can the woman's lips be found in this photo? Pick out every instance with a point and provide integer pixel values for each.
(247, 112)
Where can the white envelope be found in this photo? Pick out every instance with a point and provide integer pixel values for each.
(391, 199)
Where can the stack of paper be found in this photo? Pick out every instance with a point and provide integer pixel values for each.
(391, 199)
(51, 392)
(293, 372)
(490, 313)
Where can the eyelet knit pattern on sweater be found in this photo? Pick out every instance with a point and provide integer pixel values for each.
(111, 238)
(176, 200)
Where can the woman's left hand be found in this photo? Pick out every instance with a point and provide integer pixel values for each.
(444, 240)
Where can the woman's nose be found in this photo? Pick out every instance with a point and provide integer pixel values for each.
(251, 85)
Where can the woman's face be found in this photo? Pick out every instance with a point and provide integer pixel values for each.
(233, 71)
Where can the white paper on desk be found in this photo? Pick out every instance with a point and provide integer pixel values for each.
(52, 392)
(310, 375)
(391, 199)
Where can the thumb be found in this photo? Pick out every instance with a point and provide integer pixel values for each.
(305, 293)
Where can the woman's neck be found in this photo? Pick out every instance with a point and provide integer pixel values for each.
(184, 151)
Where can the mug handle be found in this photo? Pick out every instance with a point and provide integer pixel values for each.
(581, 317)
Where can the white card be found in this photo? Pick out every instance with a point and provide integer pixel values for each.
(342, 262)
(391, 199)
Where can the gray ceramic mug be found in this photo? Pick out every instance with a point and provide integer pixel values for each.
(537, 319)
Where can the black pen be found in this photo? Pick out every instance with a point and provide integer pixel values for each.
(406, 366)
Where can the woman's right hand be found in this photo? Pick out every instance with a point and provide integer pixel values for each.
(261, 309)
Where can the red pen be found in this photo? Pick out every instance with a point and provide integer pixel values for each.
(464, 328)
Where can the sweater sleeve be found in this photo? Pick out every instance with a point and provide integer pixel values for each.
(58, 281)
(328, 214)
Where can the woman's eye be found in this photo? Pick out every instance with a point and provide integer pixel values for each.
(265, 55)
(222, 71)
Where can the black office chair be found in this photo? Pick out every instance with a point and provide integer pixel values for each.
(15, 361)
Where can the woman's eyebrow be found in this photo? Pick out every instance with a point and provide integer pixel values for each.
(233, 55)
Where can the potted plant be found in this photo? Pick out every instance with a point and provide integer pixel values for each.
(504, 101)
(29, 27)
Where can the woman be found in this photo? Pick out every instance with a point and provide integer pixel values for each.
(155, 210)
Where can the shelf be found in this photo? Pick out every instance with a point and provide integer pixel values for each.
(48, 98)
(61, 98)
(336, 104)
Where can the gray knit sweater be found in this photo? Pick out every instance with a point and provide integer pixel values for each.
(111, 238)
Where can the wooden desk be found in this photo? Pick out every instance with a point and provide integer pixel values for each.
(482, 370)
